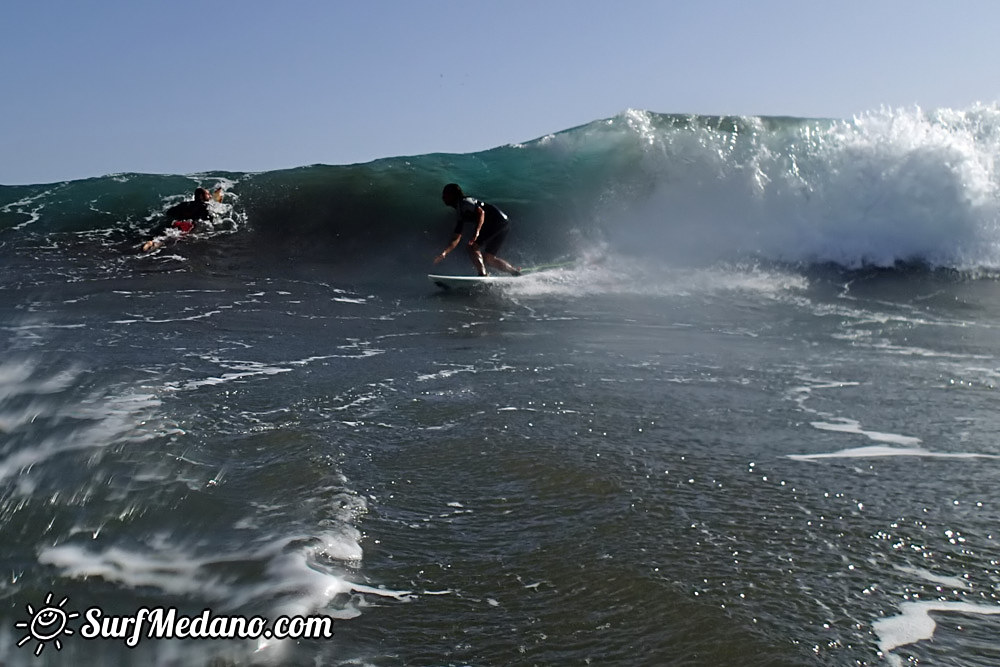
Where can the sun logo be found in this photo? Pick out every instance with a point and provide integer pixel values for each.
(46, 624)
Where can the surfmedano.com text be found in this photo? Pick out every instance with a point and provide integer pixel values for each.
(165, 623)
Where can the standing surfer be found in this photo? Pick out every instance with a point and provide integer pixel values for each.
(491, 227)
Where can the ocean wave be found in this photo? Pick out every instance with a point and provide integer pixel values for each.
(886, 187)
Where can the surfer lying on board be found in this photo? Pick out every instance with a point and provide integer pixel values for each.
(184, 217)
(490, 230)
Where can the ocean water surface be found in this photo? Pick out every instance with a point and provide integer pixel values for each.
(748, 416)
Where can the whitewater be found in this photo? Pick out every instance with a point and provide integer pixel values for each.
(748, 416)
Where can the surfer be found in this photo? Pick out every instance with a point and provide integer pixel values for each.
(186, 216)
(491, 227)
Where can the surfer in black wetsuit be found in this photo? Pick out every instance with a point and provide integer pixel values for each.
(186, 216)
(195, 209)
(490, 230)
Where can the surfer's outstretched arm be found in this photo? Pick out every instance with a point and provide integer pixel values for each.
(451, 246)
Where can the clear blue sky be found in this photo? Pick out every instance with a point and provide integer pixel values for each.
(174, 86)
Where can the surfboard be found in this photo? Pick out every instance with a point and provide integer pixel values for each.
(480, 282)
(469, 282)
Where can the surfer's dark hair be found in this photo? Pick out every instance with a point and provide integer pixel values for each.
(453, 190)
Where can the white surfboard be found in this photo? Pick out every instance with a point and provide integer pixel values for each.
(479, 282)
(469, 282)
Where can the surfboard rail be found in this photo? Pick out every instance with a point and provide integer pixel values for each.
(468, 282)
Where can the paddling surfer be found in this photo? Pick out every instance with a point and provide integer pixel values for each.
(186, 217)
(488, 234)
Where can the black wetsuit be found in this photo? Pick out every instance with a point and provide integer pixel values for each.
(190, 210)
(185, 216)
(495, 224)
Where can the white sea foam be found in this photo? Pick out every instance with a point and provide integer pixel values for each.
(802, 394)
(621, 275)
(914, 623)
(446, 373)
(239, 370)
(29, 206)
(843, 425)
(98, 418)
(292, 582)
(887, 186)
(292, 570)
(956, 583)
(877, 451)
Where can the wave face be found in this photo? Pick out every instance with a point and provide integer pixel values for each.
(884, 188)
